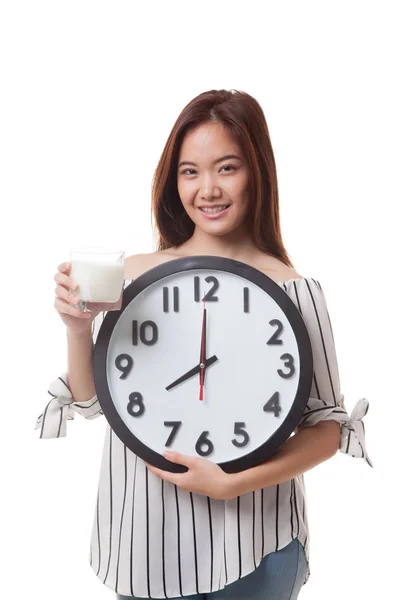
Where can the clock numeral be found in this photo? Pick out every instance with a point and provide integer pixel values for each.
(273, 405)
(197, 289)
(125, 369)
(135, 402)
(204, 441)
(273, 340)
(141, 332)
(175, 426)
(210, 294)
(246, 299)
(240, 431)
(288, 363)
(175, 298)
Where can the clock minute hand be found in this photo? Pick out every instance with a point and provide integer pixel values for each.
(203, 351)
(192, 372)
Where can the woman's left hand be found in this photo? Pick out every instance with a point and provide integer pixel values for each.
(202, 477)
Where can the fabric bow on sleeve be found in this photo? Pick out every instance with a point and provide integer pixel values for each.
(53, 421)
(352, 431)
(352, 438)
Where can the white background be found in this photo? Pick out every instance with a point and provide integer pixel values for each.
(89, 93)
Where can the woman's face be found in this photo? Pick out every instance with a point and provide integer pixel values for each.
(212, 175)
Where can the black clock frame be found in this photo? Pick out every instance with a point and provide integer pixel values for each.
(266, 450)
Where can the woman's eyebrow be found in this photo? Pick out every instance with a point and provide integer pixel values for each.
(226, 157)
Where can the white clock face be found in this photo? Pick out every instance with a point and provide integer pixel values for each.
(249, 387)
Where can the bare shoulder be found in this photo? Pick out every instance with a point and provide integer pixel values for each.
(276, 269)
(137, 264)
(287, 273)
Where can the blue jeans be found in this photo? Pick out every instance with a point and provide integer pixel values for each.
(279, 576)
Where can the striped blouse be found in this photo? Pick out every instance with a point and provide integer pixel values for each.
(152, 539)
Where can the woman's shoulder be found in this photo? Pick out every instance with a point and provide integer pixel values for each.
(137, 264)
(275, 269)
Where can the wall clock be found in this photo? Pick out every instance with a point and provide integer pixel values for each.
(207, 356)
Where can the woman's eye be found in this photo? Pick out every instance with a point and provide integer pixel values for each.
(186, 171)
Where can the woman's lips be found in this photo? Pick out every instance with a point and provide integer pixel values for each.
(214, 215)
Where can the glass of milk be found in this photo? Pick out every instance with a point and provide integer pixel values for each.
(99, 272)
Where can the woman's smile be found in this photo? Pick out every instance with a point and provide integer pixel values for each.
(214, 212)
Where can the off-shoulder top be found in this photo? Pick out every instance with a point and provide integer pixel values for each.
(152, 539)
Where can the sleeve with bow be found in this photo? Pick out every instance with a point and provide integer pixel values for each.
(52, 422)
(326, 401)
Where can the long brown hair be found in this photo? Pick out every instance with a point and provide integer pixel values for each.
(243, 117)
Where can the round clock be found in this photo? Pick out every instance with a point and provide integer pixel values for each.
(207, 356)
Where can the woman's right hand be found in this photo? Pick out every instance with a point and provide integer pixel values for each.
(67, 303)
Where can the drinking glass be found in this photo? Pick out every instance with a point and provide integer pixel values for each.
(99, 272)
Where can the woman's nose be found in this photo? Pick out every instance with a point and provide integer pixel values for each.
(209, 189)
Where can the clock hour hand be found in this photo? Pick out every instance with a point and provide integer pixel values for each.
(192, 372)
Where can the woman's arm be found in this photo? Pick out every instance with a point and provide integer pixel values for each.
(300, 453)
(80, 365)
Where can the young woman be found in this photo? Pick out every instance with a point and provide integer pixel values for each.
(206, 534)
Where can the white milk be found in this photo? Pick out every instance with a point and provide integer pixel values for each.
(99, 280)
